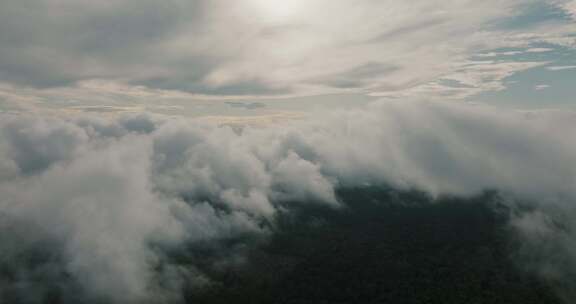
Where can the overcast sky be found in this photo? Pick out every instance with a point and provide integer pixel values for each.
(277, 57)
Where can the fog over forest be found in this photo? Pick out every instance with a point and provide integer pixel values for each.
(100, 205)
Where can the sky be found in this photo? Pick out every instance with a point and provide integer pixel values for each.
(281, 58)
(132, 126)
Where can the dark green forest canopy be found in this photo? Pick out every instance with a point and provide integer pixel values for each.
(384, 246)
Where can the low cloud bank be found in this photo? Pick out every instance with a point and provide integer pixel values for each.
(104, 199)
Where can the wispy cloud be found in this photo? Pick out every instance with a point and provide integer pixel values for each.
(214, 49)
(561, 68)
(541, 87)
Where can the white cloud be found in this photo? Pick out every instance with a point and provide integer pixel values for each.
(561, 68)
(194, 49)
(539, 50)
(123, 185)
(472, 78)
(541, 87)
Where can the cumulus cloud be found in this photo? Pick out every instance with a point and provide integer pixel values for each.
(109, 195)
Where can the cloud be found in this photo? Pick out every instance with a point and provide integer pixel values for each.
(246, 105)
(109, 196)
(360, 76)
(569, 6)
(541, 87)
(474, 77)
(561, 68)
(539, 50)
(191, 48)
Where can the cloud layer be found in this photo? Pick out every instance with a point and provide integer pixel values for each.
(91, 51)
(107, 197)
